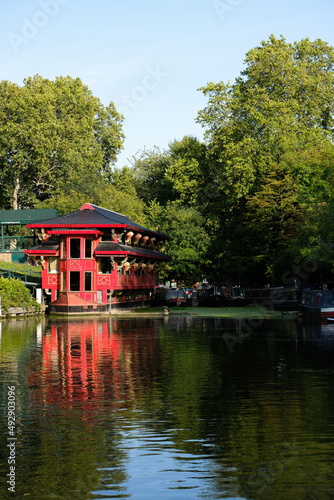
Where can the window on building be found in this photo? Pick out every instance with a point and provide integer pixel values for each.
(63, 248)
(63, 281)
(88, 248)
(75, 248)
(104, 265)
(107, 236)
(88, 282)
(53, 265)
(74, 281)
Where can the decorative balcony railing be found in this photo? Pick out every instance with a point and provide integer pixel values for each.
(125, 282)
(129, 281)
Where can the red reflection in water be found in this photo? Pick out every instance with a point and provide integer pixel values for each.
(95, 360)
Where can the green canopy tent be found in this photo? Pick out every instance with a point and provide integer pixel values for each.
(15, 244)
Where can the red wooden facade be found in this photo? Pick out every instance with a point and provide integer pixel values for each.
(95, 259)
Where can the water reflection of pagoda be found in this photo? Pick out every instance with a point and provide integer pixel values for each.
(96, 360)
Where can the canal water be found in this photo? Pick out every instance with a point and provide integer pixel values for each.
(177, 407)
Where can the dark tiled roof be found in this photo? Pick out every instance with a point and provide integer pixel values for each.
(47, 247)
(96, 217)
(73, 229)
(110, 246)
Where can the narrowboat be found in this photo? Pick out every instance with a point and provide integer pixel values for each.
(236, 296)
(169, 297)
(210, 296)
(318, 303)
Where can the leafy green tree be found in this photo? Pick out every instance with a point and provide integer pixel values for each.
(123, 178)
(188, 170)
(107, 196)
(150, 179)
(188, 239)
(177, 173)
(274, 217)
(55, 137)
(274, 124)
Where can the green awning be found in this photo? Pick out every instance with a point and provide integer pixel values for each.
(22, 217)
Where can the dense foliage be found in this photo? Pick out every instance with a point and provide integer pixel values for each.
(14, 293)
(252, 203)
(270, 141)
(54, 137)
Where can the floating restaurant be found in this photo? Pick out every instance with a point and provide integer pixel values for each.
(95, 260)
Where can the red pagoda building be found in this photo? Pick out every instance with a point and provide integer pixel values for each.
(95, 260)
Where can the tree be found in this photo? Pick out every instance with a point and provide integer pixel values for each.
(187, 170)
(274, 215)
(274, 124)
(110, 197)
(188, 239)
(150, 180)
(283, 102)
(177, 173)
(54, 137)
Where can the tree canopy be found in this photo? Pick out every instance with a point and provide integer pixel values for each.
(54, 136)
(270, 143)
(247, 204)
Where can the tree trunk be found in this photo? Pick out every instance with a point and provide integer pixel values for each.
(15, 193)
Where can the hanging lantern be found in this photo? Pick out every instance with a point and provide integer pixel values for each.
(151, 241)
(142, 266)
(129, 235)
(135, 265)
(126, 265)
(145, 238)
(138, 236)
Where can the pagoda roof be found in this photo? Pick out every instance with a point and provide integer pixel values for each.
(43, 249)
(92, 216)
(113, 248)
(104, 248)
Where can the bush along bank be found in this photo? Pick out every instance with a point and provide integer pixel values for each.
(16, 298)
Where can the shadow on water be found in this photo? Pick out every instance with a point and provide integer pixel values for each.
(174, 407)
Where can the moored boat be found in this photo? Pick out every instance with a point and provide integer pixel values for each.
(169, 297)
(210, 296)
(236, 296)
(318, 303)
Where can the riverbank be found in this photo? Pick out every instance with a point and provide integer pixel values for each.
(224, 312)
(14, 312)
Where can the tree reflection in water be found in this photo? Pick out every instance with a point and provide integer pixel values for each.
(148, 407)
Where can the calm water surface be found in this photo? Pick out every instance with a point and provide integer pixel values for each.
(180, 407)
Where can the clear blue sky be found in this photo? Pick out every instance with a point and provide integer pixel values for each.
(149, 57)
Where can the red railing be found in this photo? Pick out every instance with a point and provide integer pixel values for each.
(129, 281)
(125, 282)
